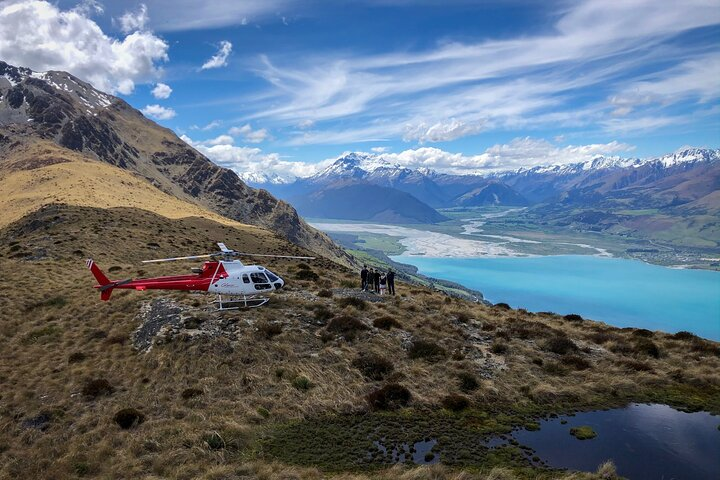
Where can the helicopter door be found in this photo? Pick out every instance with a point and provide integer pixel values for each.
(260, 281)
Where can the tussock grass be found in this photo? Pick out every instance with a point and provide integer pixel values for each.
(373, 366)
(389, 397)
(249, 381)
(426, 350)
(386, 322)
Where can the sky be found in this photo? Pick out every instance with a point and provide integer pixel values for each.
(283, 87)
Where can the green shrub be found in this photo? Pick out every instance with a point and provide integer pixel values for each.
(468, 382)
(455, 402)
(602, 337)
(213, 441)
(358, 303)
(502, 306)
(128, 418)
(573, 317)
(373, 366)
(703, 346)
(560, 345)
(389, 397)
(426, 350)
(386, 322)
(269, 330)
(191, 392)
(97, 387)
(325, 293)
(576, 362)
(647, 347)
(322, 313)
(555, 368)
(642, 332)
(307, 275)
(302, 383)
(635, 365)
(76, 357)
(346, 326)
(499, 348)
(683, 335)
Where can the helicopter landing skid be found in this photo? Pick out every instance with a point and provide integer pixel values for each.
(236, 303)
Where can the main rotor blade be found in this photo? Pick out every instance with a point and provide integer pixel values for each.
(223, 247)
(275, 256)
(192, 257)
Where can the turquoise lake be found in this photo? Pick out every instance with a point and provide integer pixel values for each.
(620, 292)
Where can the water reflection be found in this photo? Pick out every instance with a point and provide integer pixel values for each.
(644, 442)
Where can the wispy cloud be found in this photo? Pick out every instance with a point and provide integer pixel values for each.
(220, 59)
(249, 134)
(459, 89)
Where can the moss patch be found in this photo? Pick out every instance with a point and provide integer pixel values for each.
(584, 432)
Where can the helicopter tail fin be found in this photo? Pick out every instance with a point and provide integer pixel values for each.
(106, 285)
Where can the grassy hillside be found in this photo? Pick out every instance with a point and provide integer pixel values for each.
(295, 389)
(42, 173)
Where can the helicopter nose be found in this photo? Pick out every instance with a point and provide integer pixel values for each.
(279, 284)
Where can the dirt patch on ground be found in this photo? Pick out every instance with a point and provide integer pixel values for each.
(362, 295)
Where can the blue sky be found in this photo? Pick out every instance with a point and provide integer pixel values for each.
(455, 85)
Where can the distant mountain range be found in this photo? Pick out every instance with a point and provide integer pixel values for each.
(361, 186)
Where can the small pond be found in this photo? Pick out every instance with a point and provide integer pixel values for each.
(644, 442)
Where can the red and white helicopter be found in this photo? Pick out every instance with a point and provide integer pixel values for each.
(224, 274)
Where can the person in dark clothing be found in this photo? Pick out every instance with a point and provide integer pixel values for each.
(391, 282)
(376, 277)
(364, 278)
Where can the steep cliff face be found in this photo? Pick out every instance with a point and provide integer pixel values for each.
(58, 107)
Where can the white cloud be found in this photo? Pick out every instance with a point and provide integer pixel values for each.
(456, 89)
(253, 164)
(158, 112)
(519, 153)
(220, 58)
(89, 7)
(177, 15)
(38, 35)
(248, 134)
(379, 149)
(210, 126)
(304, 124)
(134, 21)
(161, 91)
(440, 131)
(219, 140)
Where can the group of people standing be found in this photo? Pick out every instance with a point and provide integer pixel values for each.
(376, 281)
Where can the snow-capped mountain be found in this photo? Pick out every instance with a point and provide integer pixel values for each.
(684, 156)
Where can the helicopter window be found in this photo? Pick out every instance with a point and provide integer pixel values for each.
(245, 278)
(260, 281)
(271, 276)
(258, 277)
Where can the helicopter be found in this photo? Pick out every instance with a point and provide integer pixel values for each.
(223, 274)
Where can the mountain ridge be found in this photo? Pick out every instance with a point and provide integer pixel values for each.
(58, 107)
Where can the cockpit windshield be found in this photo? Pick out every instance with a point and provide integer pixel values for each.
(273, 278)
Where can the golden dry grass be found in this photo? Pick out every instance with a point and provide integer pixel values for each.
(42, 173)
(49, 312)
